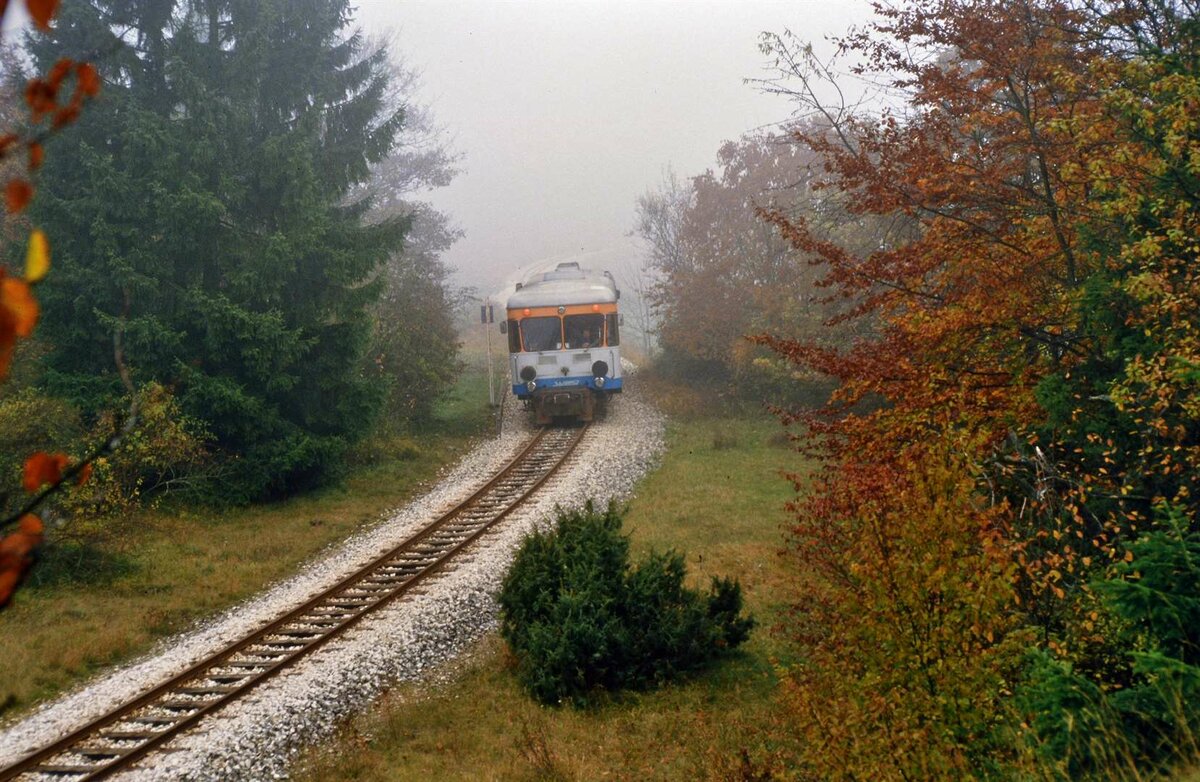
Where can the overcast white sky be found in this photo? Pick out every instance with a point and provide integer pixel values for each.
(567, 110)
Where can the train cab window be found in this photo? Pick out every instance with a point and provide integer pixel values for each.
(614, 333)
(542, 333)
(584, 331)
(514, 337)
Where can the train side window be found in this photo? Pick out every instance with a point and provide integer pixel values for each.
(614, 332)
(542, 333)
(514, 337)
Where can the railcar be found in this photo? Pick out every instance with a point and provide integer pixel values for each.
(563, 331)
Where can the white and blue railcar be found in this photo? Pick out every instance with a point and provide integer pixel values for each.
(563, 332)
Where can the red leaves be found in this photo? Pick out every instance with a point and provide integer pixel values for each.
(17, 549)
(17, 194)
(43, 468)
(43, 95)
(18, 307)
(16, 555)
(18, 315)
(65, 116)
(42, 11)
(88, 79)
(920, 559)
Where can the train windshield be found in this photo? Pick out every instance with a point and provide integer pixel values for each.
(541, 333)
(584, 331)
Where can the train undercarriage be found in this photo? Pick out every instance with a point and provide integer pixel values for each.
(581, 404)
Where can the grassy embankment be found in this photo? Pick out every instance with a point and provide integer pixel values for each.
(718, 496)
(153, 575)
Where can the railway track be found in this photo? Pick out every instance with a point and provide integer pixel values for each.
(118, 739)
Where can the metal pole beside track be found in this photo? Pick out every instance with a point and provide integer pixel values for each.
(488, 319)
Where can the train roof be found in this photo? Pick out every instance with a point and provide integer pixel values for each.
(567, 284)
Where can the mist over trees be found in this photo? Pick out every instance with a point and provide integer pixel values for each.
(719, 273)
(414, 337)
(241, 206)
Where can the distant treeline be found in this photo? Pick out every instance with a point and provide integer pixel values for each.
(717, 272)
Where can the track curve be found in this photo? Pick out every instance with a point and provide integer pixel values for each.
(116, 740)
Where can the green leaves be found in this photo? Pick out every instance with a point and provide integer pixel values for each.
(582, 619)
(1152, 694)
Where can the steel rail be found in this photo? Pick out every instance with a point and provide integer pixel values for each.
(315, 622)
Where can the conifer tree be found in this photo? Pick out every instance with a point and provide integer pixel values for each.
(201, 210)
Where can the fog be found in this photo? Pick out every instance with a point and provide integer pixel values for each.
(566, 111)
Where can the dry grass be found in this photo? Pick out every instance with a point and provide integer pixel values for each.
(90, 607)
(723, 506)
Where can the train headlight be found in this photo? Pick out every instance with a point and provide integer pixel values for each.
(600, 369)
(599, 382)
(528, 373)
(531, 386)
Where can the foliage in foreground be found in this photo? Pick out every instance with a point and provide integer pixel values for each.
(998, 568)
(53, 102)
(580, 618)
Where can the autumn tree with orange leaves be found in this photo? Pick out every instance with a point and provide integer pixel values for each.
(1013, 454)
(54, 101)
(721, 273)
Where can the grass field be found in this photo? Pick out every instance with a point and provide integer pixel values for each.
(89, 607)
(718, 496)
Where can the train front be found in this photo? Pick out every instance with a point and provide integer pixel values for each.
(563, 339)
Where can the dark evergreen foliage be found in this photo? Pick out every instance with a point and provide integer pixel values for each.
(203, 201)
(580, 618)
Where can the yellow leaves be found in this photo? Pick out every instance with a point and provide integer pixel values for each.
(37, 257)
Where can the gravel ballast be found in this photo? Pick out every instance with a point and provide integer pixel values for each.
(258, 737)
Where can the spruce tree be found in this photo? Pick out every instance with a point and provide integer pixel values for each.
(201, 208)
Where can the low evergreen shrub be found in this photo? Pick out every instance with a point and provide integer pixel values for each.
(581, 618)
